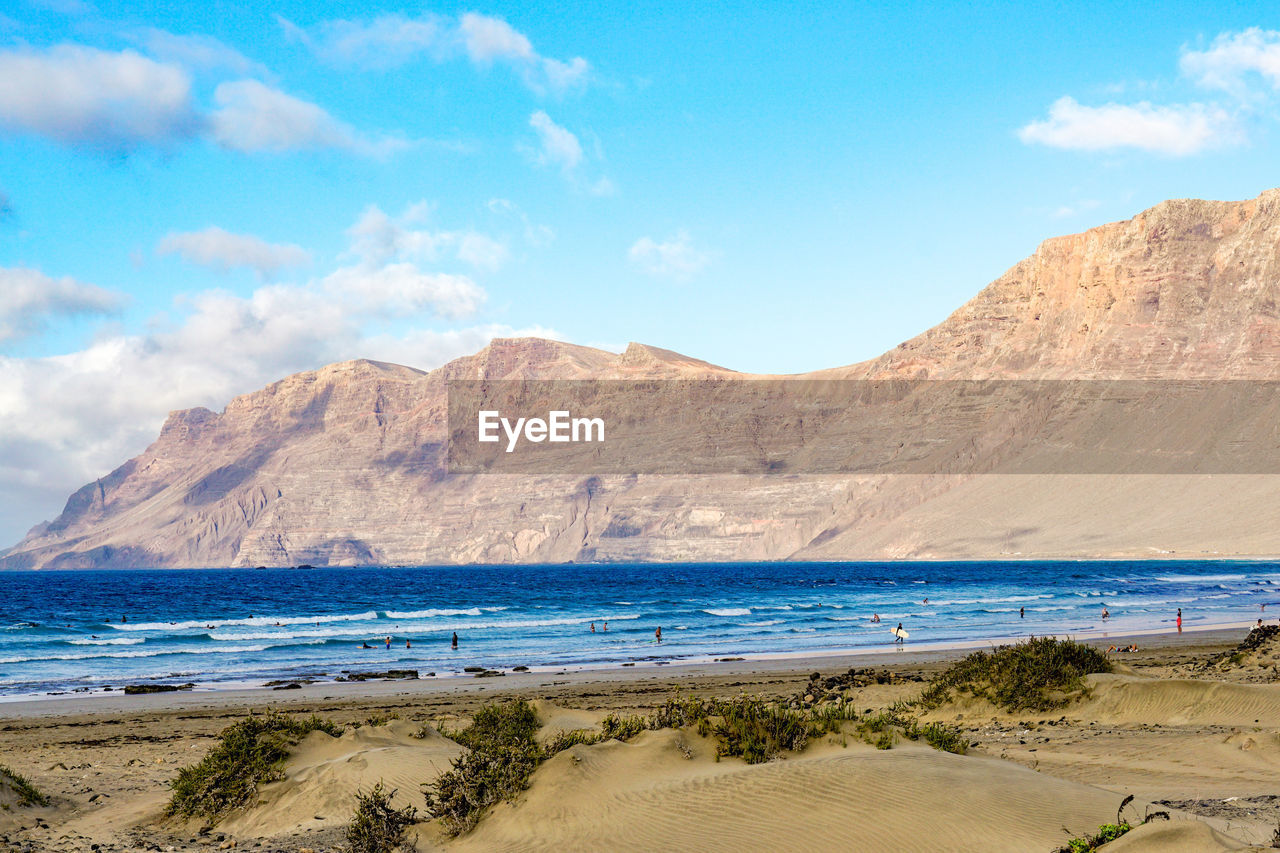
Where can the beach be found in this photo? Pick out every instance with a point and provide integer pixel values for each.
(1199, 743)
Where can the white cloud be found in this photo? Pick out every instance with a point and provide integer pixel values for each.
(488, 38)
(82, 95)
(385, 42)
(1232, 57)
(391, 40)
(376, 238)
(120, 101)
(557, 146)
(252, 116)
(676, 258)
(403, 288)
(222, 251)
(198, 51)
(1177, 130)
(29, 299)
(67, 419)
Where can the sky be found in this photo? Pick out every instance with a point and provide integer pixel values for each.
(199, 199)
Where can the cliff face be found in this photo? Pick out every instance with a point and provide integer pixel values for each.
(345, 465)
(1187, 289)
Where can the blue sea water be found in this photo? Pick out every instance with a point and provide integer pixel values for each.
(62, 631)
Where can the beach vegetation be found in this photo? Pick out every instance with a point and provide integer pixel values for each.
(883, 729)
(622, 727)
(573, 737)
(1109, 832)
(378, 826)
(746, 727)
(501, 755)
(248, 754)
(1039, 674)
(27, 793)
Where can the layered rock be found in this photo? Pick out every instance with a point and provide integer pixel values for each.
(345, 465)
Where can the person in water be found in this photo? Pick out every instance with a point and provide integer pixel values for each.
(365, 646)
(897, 634)
(455, 639)
(593, 627)
(388, 642)
(1106, 614)
(606, 627)
(408, 645)
(1022, 613)
(658, 635)
(875, 617)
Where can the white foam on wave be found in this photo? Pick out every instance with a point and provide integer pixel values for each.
(1198, 578)
(115, 641)
(191, 624)
(139, 654)
(727, 611)
(765, 624)
(433, 613)
(1004, 599)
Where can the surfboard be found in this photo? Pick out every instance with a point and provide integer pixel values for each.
(899, 632)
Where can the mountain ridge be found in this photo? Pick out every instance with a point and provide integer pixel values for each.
(344, 464)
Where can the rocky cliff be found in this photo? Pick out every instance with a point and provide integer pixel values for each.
(345, 465)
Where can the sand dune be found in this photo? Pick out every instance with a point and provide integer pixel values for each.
(647, 795)
(324, 774)
(1177, 836)
(1177, 702)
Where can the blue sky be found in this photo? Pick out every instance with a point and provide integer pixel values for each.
(201, 198)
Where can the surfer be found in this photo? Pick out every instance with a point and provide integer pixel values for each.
(899, 635)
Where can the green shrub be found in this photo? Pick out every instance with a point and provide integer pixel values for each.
(944, 737)
(478, 779)
(501, 755)
(882, 730)
(1029, 676)
(377, 826)
(622, 728)
(498, 723)
(563, 740)
(248, 754)
(757, 730)
(28, 794)
(1108, 832)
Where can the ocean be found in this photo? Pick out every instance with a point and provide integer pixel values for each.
(87, 630)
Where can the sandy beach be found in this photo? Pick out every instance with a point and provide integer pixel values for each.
(1200, 742)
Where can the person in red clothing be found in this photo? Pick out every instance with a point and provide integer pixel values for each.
(1179, 620)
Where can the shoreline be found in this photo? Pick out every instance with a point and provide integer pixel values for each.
(782, 664)
(1158, 557)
